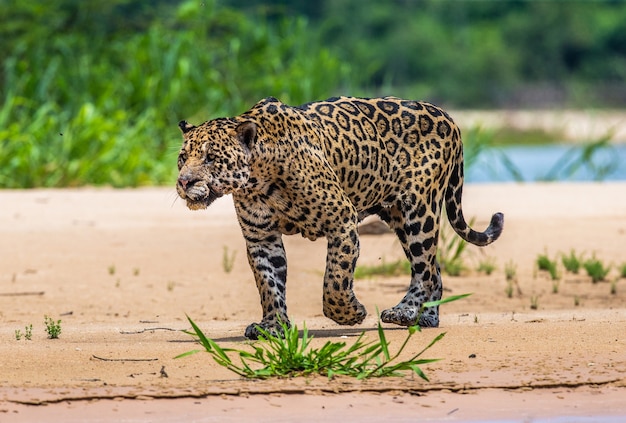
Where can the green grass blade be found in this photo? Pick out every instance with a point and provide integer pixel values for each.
(384, 345)
(419, 372)
(202, 338)
(188, 353)
(445, 300)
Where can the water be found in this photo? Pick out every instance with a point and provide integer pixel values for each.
(548, 162)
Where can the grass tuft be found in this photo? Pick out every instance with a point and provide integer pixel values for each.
(544, 263)
(534, 302)
(572, 262)
(596, 269)
(487, 266)
(291, 355)
(394, 268)
(53, 329)
(450, 251)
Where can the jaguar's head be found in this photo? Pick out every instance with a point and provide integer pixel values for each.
(214, 160)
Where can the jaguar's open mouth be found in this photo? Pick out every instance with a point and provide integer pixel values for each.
(198, 195)
(203, 202)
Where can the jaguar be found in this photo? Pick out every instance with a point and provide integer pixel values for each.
(317, 170)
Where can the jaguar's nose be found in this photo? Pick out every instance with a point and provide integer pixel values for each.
(183, 181)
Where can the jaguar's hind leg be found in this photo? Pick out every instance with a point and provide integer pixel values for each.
(417, 230)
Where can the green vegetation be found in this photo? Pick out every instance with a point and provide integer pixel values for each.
(596, 157)
(27, 335)
(596, 269)
(513, 53)
(508, 136)
(228, 259)
(451, 249)
(510, 274)
(90, 93)
(28, 332)
(534, 302)
(544, 263)
(291, 355)
(622, 270)
(510, 270)
(53, 329)
(572, 262)
(394, 268)
(585, 157)
(509, 288)
(487, 265)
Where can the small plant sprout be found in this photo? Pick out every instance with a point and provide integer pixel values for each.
(576, 300)
(510, 273)
(596, 269)
(622, 270)
(228, 259)
(171, 285)
(136, 271)
(28, 332)
(289, 355)
(111, 269)
(509, 288)
(53, 329)
(572, 262)
(534, 302)
(27, 335)
(487, 266)
(544, 263)
(614, 286)
(555, 286)
(510, 270)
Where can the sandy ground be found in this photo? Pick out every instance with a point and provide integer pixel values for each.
(571, 125)
(121, 268)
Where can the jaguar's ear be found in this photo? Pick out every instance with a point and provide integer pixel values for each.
(185, 126)
(246, 133)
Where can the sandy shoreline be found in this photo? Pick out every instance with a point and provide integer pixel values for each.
(573, 125)
(121, 268)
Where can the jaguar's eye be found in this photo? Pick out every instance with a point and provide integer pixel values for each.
(209, 159)
(182, 158)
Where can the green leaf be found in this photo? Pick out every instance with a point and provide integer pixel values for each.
(419, 372)
(383, 341)
(445, 300)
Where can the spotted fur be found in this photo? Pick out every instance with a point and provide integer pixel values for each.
(319, 168)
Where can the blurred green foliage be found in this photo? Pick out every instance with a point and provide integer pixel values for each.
(463, 53)
(90, 91)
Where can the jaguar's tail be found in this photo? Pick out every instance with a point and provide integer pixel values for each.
(453, 195)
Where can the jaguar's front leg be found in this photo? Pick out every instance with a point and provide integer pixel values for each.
(268, 261)
(340, 303)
